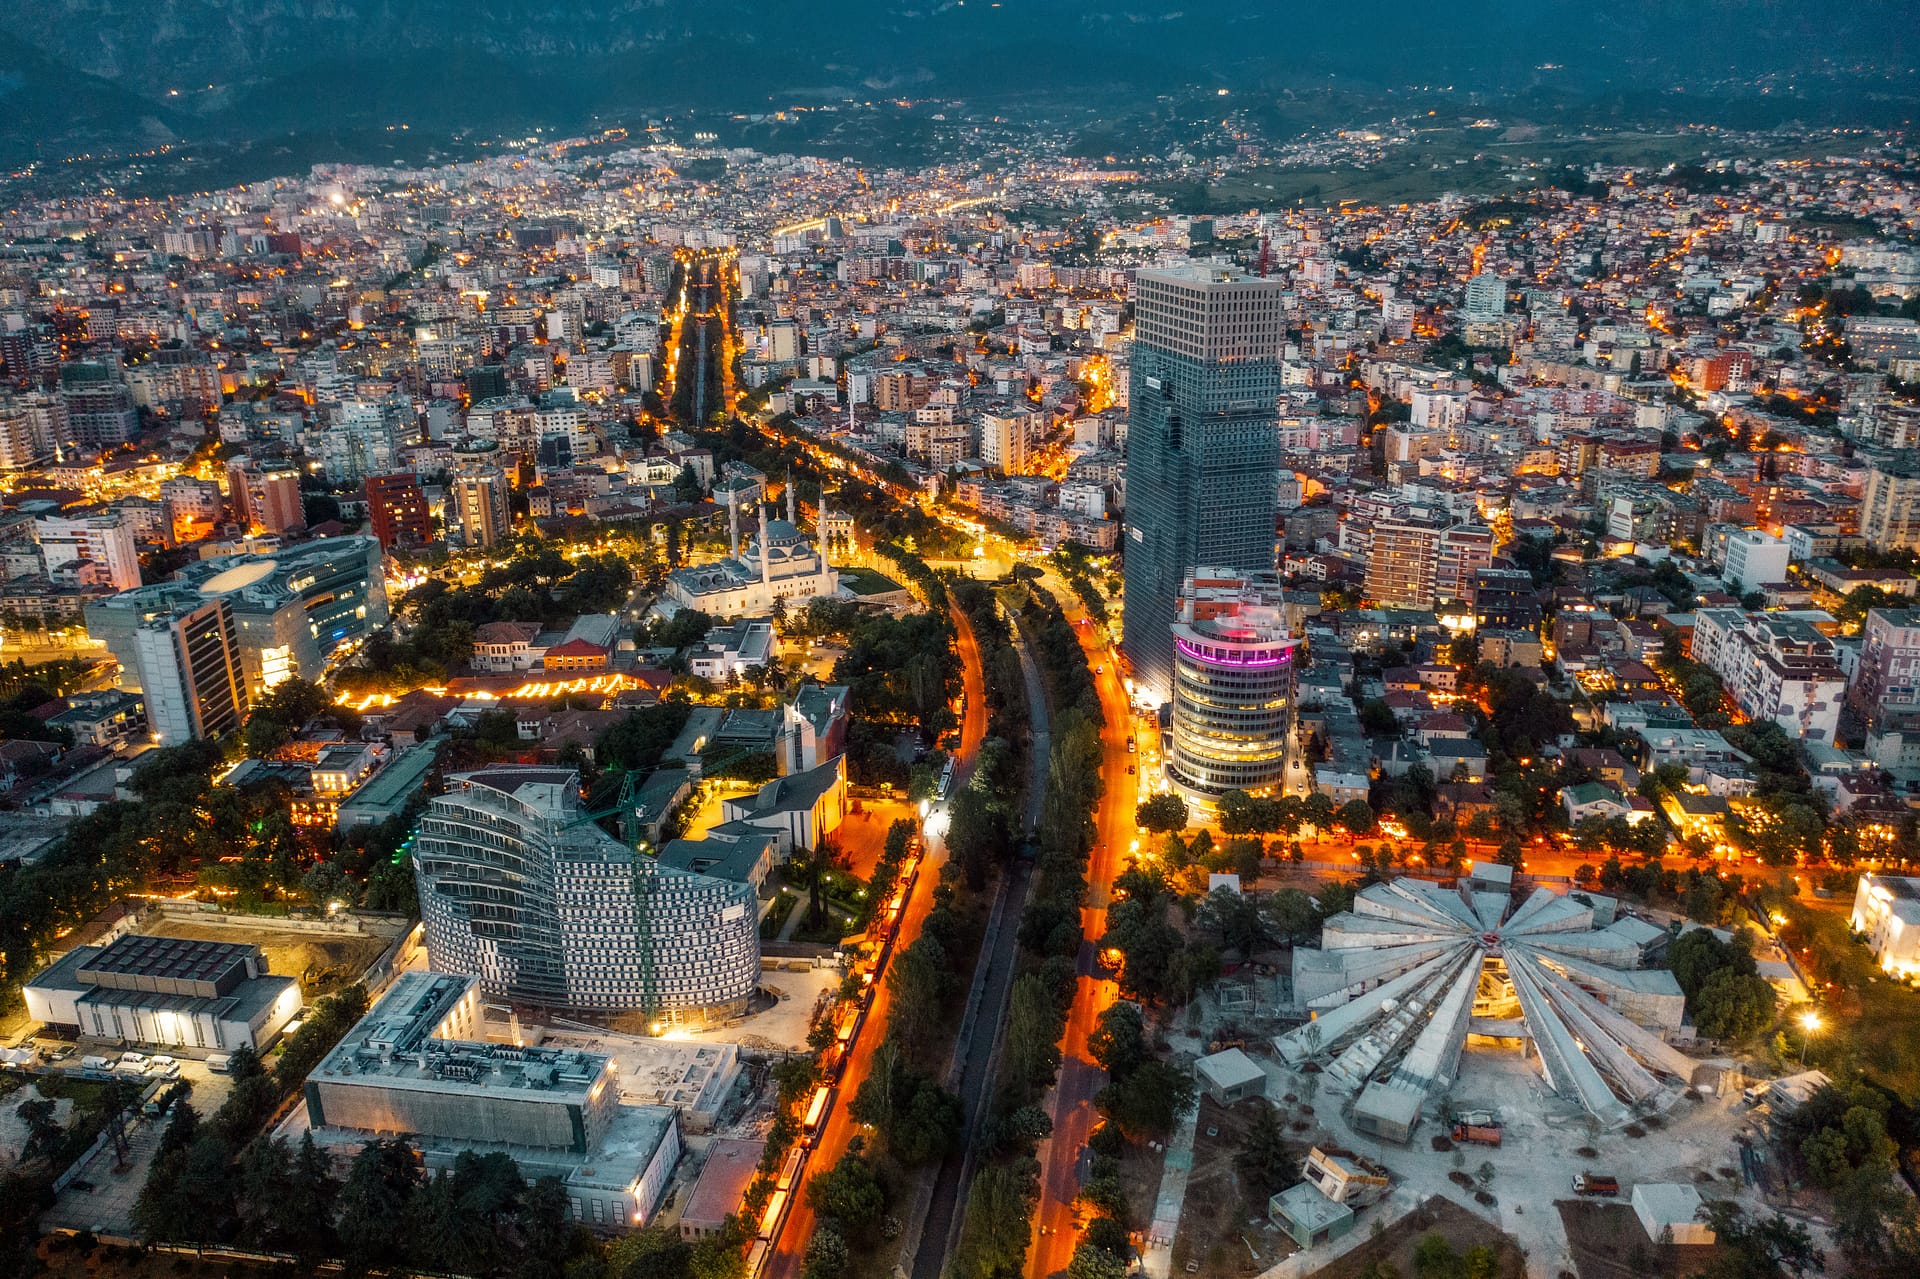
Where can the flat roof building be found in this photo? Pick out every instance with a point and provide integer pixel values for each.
(166, 992)
(1886, 911)
(732, 1163)
(413, 1066)
(1231, 1076)
(1309, 1217)
(291, 610)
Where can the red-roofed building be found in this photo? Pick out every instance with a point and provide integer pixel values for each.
(576, 655)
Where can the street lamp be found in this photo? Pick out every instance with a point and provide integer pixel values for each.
(1809, 1022)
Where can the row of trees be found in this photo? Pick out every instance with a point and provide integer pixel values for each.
(915, 1120)
(1701, 895)
(222, 1181)
(996, 1227)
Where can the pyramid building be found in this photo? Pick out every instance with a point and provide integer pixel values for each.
(1404, 979)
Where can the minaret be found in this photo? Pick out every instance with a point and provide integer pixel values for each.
(766, 560)
(733, 518)
(820, 529)
(792, 518)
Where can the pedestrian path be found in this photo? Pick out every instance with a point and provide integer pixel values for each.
(1158, 1258)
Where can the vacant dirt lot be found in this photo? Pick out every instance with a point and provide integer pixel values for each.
(1608, 1242)
(322, 962)
(1223, 1225)
(1437, 1216)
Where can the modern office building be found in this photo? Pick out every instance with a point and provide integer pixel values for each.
(477, 504)
(1890, 505)
(416, 1065)
(1202, 446)
(190, 670)
(520, 889)
(398, 510)
(291, 610)
(1233, 685)
(166, 992)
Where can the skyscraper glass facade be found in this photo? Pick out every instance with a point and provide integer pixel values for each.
(1202, 446)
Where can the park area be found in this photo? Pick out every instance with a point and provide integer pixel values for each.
(1871, 1022)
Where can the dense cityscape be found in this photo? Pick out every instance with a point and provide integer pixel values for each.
(1341, 703)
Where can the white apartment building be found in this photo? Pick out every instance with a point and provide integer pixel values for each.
(1754, 557)
(106, 540)
(1886, 911)
(1775, 668)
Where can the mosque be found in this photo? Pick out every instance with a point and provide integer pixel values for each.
(780, 565)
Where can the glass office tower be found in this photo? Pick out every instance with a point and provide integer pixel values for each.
(1202, 446)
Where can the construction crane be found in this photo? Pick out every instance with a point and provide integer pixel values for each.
(623, 805)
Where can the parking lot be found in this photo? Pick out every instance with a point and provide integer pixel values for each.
(102, 1197)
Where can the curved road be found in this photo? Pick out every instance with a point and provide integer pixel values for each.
(1080, 1078)
(788, 1257)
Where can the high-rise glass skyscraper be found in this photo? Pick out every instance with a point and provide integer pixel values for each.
(1202, 445)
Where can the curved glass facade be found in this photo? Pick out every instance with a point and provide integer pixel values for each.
(559, 916)
(1232, 708)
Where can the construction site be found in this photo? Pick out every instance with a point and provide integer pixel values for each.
(1453, 1062)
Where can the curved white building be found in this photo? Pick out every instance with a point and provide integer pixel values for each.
(551, 912)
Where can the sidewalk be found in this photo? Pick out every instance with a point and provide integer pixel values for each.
(1157, 1258)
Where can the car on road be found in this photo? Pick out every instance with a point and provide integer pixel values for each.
(1130, 770)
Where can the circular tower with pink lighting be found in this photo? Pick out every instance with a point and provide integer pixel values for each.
(1233, 683)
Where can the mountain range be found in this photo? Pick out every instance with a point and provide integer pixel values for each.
(79, 75)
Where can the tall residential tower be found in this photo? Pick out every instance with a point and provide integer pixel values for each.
(1202, 446)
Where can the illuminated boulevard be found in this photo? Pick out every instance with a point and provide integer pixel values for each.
(788, 1258)
(1080, 1078)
